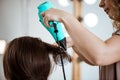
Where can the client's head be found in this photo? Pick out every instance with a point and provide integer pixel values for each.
(27, 58)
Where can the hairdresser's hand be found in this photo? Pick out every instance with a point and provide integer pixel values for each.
(69, 42)
(55, 44)
(54, 14)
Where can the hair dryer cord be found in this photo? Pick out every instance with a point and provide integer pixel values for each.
(56, 31)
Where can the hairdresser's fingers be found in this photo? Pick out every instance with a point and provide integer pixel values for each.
(46, 20)
(69, 41)
(42, 14)
(55, 44)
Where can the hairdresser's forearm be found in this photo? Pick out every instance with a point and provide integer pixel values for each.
(82, 58)
(91, 46)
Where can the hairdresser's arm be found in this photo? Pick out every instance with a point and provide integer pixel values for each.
(70, 43)
(88, 45)
(83, 58)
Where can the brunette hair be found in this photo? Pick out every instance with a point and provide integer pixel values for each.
(116, 13)
(27, 58)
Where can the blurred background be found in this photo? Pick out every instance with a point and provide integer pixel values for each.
(20, 18)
